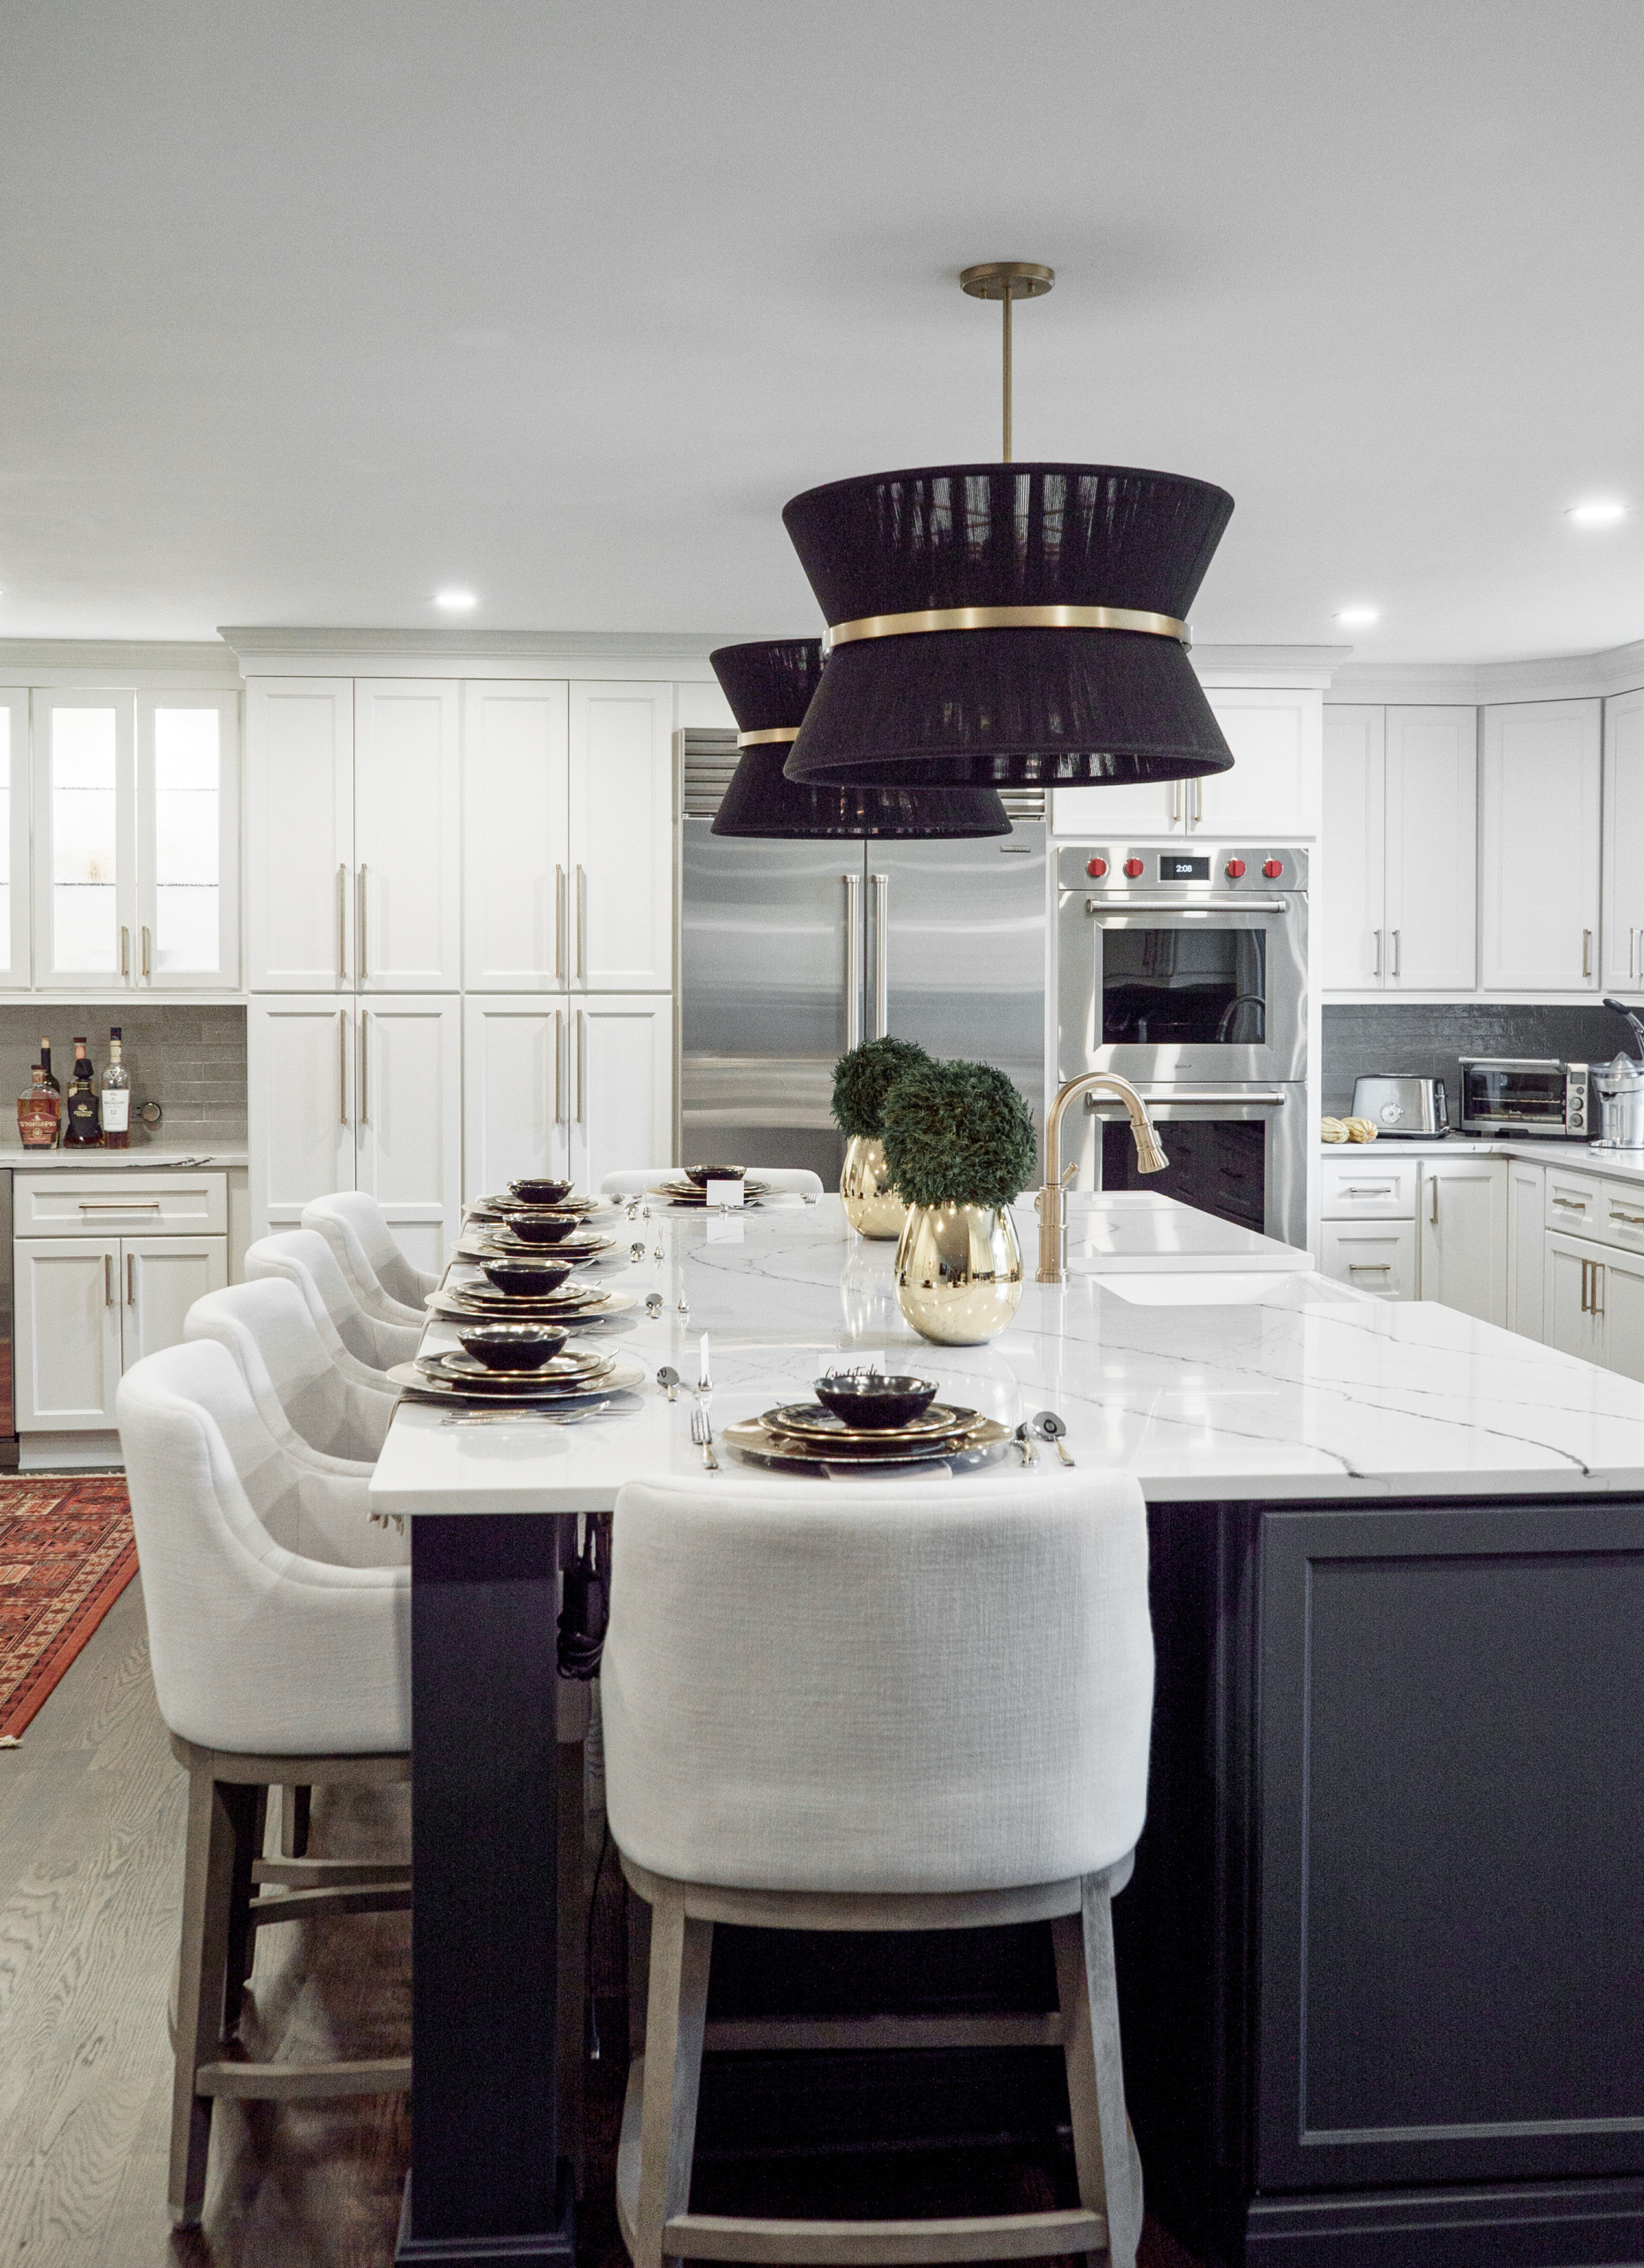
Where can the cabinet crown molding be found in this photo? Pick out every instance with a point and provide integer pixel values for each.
(117, 662)
(431, 651)
(1556, 677)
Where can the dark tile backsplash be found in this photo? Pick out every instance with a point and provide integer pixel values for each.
(189, 1061)
(1399, 1035)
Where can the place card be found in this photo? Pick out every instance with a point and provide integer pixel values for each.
(725, 1194)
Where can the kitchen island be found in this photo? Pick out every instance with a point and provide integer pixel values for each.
(1383, 1954)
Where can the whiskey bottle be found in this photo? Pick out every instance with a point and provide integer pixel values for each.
(38, 1114)
(51, 1084)
(116, 1097)
(84, 1129)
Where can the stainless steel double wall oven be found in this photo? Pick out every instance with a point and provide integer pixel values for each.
(1184, 968)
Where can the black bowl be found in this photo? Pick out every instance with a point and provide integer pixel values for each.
(543, 1228)
(540, 1193)
(527, 1279)
(512, 1346)
(875, 1402)
(702, 1174)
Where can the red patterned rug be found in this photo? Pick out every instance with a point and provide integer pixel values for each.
(65, 1555)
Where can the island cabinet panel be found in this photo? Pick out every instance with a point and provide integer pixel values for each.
(1382, 1960)
(1450, 1960)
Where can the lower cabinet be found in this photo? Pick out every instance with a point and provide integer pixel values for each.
(1526, 1235)
(580, 1087)
(1461, 1222)
(1376, 1256)
(1593, 1304)
(89, 1306)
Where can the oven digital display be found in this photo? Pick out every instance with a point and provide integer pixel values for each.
(1175, 867)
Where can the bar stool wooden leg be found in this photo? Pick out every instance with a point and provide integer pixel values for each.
(207, 1895)
(1105, 2152)
(248, 1809)
(295, 1807)
(681, 1949)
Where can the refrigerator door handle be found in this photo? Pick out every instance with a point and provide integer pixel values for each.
(881, 957)
(853, 961)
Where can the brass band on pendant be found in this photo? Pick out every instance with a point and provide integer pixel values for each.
(759, 740)
(1008, 617)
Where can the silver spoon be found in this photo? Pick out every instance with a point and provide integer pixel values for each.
(668, 1378)
(1049, 1427)
(1030, 1455)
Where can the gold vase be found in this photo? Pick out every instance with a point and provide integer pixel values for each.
(872, 1206)
(958, 1272)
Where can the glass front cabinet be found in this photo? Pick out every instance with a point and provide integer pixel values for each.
(134, 877)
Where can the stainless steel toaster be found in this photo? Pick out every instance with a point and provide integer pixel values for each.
(1400, 1104)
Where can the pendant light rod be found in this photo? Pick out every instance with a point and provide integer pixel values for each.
(1006, 280)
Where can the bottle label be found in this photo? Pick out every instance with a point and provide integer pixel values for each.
(116, 1110)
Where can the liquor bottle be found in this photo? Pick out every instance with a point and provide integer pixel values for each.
(116, 1097)
(38, 1114)
(84, 1130)
(45, 1063)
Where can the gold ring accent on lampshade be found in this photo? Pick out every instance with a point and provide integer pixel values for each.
(1008, 617)
(759, 740)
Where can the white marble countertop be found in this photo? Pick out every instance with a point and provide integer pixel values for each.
(1274, 1385)
(1616, 1165)
(97, 1161)
(1123, 1231)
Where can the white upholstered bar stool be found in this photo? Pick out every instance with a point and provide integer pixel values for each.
(317, 1412)
(365, 1247)
(874, 1705)
(270, 1666)
(304, 1258)
(782, 1181)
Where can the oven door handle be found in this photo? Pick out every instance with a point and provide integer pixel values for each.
(1267, 1096)
(1186, 904)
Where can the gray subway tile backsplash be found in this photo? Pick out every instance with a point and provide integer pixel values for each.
(1429, 1041)
(189, 1061)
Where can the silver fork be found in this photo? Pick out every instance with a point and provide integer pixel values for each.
(702, 1434)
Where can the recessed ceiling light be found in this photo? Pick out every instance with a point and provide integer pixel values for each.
(1358, 617)
(1603, 512)
(458, 601)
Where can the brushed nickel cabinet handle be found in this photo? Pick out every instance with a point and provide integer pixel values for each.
(559, 1081)
(582, 927)
(341, 1067)
(1433, 1217)
(1377, 969)
(582, 1067)
(1587, 952)
(108, 1279)
(1584, 1286)
(1598, 1286)
(125, 951)
(1397, 952)
(1175, 803)
(145, 950)
(342, 924)
(364, 1113)
(131, 1279)
(559, 921)
(1370, 1268)
(359, 926)
(1199, 802)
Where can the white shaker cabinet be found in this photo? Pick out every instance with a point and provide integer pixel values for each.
(516, 1092)
(619, 1067)
(1401, 847)
(1571, 1318)
(1624, 843)
(1620, 1294)
(407, 822)
(1461, 1222)
(1526, 1236)
(160, 1278)
(299, 835)
(1272, 791)
(516, 836)
(622, 811)
(67, 1334)
(358, 1094)
(1538, 847)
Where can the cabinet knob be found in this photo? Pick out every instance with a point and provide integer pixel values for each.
(1236, 868)
(1273, 869)
(1133, 868)
(1096, 868)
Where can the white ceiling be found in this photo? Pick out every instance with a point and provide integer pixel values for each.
(311, 308)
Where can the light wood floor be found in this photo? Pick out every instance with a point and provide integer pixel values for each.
(91, 1810)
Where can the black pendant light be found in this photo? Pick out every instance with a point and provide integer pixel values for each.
(770, 685)
(996, 624)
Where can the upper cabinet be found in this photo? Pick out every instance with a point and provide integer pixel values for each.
(408, 823)
(622, 806)
(516, 800)
(300, 833)
(135, 841)
(1624, 843)
(1400, 839)
(15, 971)
(1539, 846)
(1272, 791)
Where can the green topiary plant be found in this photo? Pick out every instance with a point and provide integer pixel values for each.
(957, 1134)
(864, 1078)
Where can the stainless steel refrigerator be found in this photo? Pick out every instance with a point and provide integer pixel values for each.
(791, 952)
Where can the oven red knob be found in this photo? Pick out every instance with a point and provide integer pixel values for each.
(1236, 868)
(1133, 868)
(1274, 868)
(1097, 868)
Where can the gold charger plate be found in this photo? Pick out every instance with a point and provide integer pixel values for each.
(810, 1420)
(416, 1385)
(755, 1440)
(450, 1363)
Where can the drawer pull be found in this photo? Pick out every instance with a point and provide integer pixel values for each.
(1386, 1190)
(111, 1204)
(1370, 1268)
(1633, 1220)
(1572, 1204)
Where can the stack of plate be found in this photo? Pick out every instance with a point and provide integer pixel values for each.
(802, 1433)
(573, 1302)
(499, 1208)
(689, 1192)
(496, 1241)
(576, 1375)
